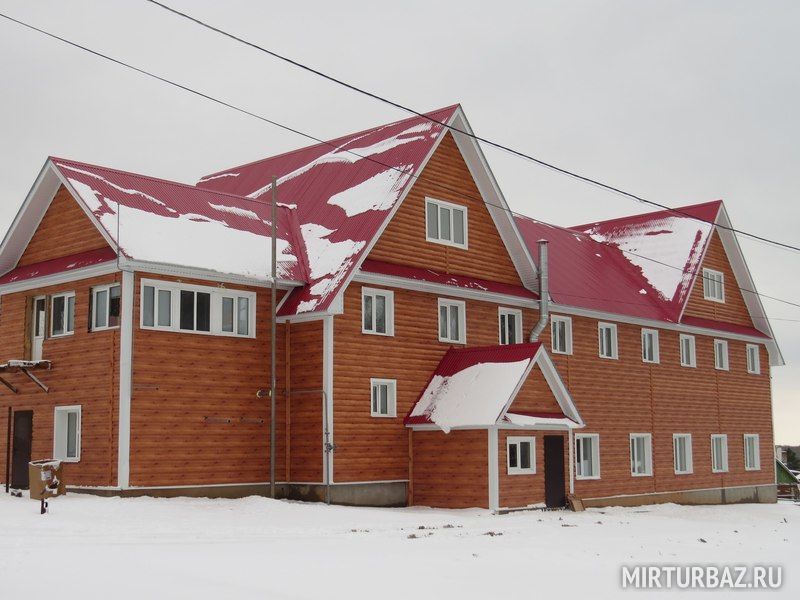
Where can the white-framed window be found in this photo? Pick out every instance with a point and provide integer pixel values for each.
(682, 453)
(561, 335)
(719, 453)
(445, 223)
(62, 314)
(650, 352)
(587, 456)
(752, 452)
(721, 355)
(713, 285)
(106, 304)
(641, 454)
(377, 311)
(384, 397)
(200, 309)
(67, 433)
(753, 360)
(452, 321)
(607, 336)
(688, 353)
(521, 455)
(510, 324)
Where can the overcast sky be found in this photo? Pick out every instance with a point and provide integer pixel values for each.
(681, 102)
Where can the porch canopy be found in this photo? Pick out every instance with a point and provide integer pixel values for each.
(477, 387)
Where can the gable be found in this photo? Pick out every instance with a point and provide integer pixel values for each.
(535, 396)
(446, 177)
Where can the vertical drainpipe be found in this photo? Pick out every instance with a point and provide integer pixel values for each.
(544, 293)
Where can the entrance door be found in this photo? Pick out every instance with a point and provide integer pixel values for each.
(21, 454)
(554, 493)
(39, 323)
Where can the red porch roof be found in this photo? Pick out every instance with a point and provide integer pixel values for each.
(59, 265)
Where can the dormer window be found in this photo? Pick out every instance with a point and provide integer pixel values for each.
(445, 223)
(713, 285)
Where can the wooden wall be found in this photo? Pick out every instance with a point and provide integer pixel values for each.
(526, 489)
(535, 395)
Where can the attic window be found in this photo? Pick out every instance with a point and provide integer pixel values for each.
(445, 223)
(713, 285)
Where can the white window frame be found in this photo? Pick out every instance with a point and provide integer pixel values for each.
(614, 345)
(567, 321)
(711, 279)
(648, 454)
(389, 298)
(449, 205)
(692, 358)
(754, 366)
(688, 458)
(66, 296)
(595, 437)
(725, 364)
(755, 439)
(107, 289)
(215, 325)
(462, 320)
(519, 470)
(656, 358)
(715, 468)
(391, 397)
(517, 313)
(60, 437)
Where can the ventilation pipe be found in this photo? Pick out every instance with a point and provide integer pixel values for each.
(544, 293)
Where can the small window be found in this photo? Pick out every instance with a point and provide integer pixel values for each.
(62, 319)
(235, 315)
(384, 397)
(195, 311)
(719, 453)
(510, 322)
(721, 355)
(445, 223)
(641, 454)
(106, 307)
(452, 321)
(521, 453)
(561, 335)
(682, 451)
(67, 433)
(753, 361)
(752, 452)
(587, 456)
(607, 340)
(713, 285)
(377, 309)
(650, 346)
(688, 355)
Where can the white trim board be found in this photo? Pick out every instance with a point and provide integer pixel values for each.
(89, 272)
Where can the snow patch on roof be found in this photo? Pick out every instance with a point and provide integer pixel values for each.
(235, 210)
(379, 192)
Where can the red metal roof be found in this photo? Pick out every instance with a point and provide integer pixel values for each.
(59, 265)
(723, 326)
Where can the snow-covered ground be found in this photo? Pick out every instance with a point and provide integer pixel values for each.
(90, 547)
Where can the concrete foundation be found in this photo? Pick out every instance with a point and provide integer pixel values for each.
(733, 495)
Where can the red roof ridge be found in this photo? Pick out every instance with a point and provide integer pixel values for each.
(677, 210)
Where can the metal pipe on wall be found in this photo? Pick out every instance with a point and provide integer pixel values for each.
(544, 293)
(273, 327)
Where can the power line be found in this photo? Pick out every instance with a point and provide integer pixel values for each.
(328, 143)
(486, 141)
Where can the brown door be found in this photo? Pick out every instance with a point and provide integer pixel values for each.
(554, 492)
(21, 454)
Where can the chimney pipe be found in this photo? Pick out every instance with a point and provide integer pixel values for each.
(544, 293)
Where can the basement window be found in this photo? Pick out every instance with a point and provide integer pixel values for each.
(452, 321)
(62, 318)
(641, 454)
(445, 223)
(713, 285)
(752, 453)
(682, 453)
(719, 453)
(377, 310)
(587, 456)
(688, 354)
(106, 306)
(67, 433)
(510, 323)
(521, 453)
(721, 355)
(384, 397)
(561, 335)
(607, 333)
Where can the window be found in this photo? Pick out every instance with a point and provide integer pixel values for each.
(377, 309)
(713, 285)
(682, 451)
(719, 453)
(587, 456)
(721, 355)
(753, 362)
(521, 455)
(641, 454)
(650, 346)
(62, 318)
(197, 309)
(688, 358)
(608, 340)
(561, 334)
(752, 453)
(445, 223)
(510, 321)
(106, 306)
(452, 321)
(384, 397)
(67, 433)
